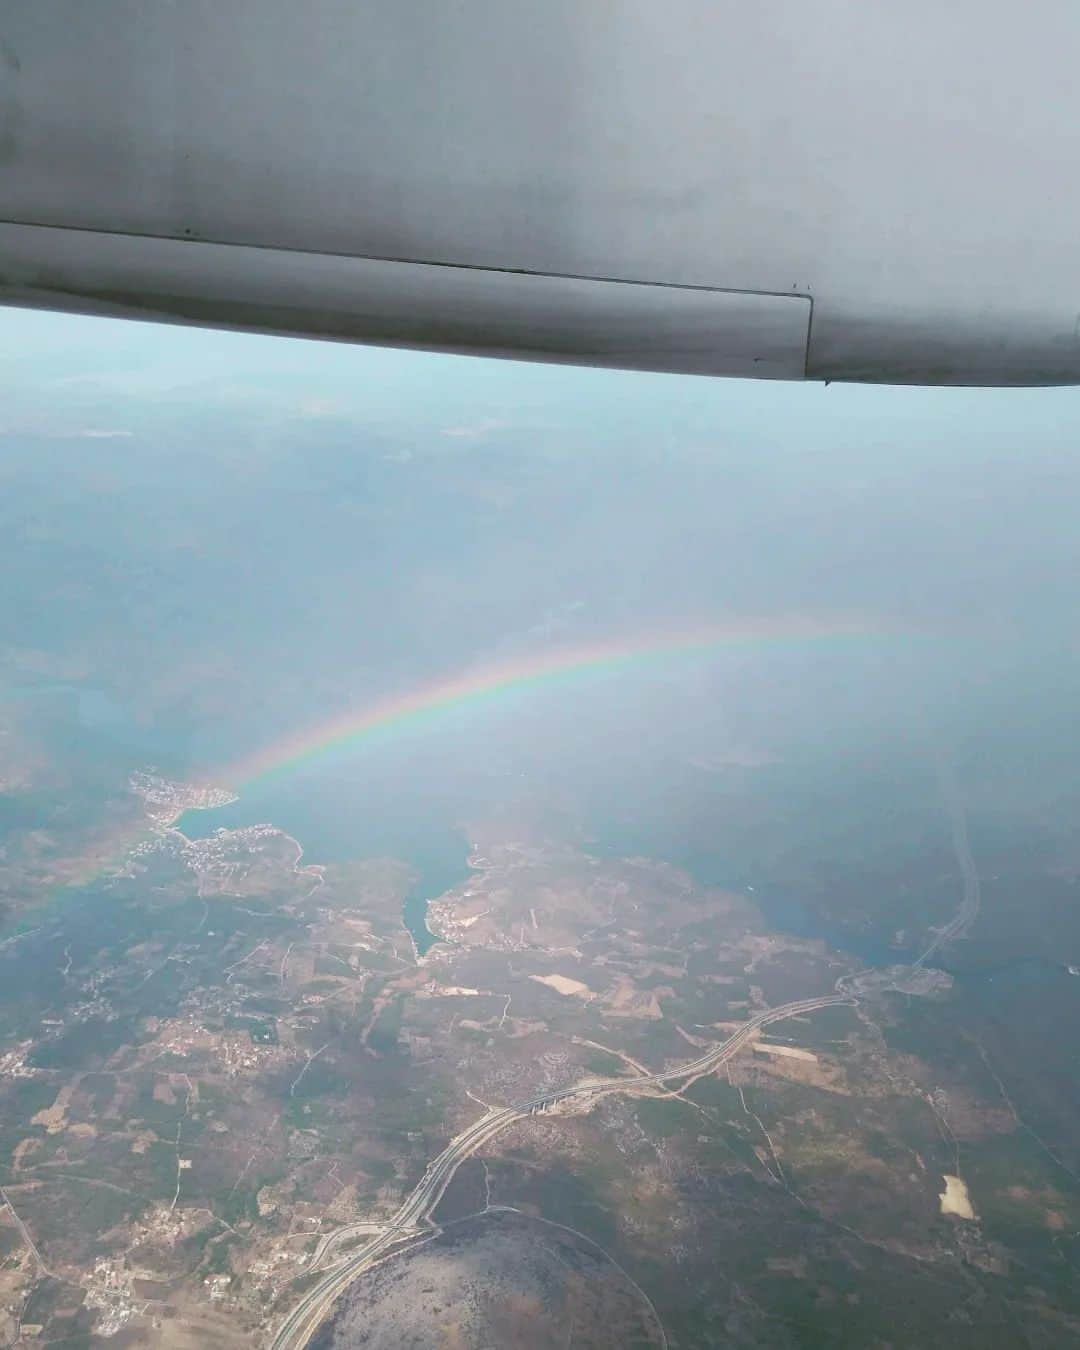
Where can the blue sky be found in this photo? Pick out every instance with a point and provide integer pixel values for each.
(70, 374)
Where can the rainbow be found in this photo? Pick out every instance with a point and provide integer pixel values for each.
(350, 730)
(478, 685)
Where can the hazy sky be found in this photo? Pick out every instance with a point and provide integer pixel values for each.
(239, 531)
(60, 368)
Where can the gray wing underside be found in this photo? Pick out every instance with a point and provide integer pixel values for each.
(790, 189)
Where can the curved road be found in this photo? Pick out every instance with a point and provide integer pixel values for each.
(971, 897)
(297, 1329)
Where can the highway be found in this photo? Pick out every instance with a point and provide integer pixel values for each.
(297, 1329)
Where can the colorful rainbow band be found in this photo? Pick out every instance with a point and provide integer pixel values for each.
(349, 730)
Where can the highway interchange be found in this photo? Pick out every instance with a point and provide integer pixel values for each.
(414, 1214)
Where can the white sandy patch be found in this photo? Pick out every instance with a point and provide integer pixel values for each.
(955, 1198)
(791, 1051)
(54, 1118)
(563, 985)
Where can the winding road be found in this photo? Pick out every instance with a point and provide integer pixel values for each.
(414, 1214)
(971, 897)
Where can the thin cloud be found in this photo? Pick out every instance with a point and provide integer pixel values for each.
(475, 430)
(320, 407)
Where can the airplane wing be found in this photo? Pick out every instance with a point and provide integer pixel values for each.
(789, 189)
